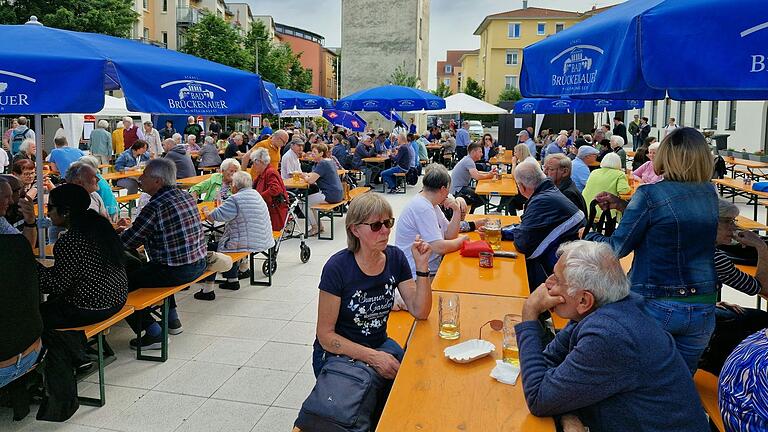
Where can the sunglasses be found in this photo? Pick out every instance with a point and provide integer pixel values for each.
(376, 226)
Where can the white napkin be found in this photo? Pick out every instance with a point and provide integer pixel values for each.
(505, 373)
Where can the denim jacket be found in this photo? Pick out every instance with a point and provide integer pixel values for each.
(671, 227)
(127, 160)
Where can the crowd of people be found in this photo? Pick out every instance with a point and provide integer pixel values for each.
(633, 341)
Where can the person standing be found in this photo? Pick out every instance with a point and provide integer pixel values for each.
(118, 145)
(634, 130)
(9, 133)
(167, 131)
(21, 133)
(130, 133)
(101, 142)
(152, 137)
(266, 131)
(671, 125)
(412, 127)
(192, 128)
(645, 129)
(620, 129)
(462, 140)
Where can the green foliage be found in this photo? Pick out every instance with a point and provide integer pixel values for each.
(111, 17)
(214, 39)
(510, 94)
(321, 122)
(474, 89)
(276, 62)
(442, 90)
(402, 78)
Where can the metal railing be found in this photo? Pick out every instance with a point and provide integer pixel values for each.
(185, 15)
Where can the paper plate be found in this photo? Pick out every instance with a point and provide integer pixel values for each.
(470, 350)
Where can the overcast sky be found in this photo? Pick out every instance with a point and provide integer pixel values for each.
(452, 22)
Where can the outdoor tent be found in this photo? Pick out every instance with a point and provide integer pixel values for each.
(462, 103)
(113, 107)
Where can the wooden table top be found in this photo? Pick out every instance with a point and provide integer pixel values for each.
(506, 187)
(750, 225)
(434, 146)
(745, 162)
(291, 184)
(121, 174)
(507, 278)
(505, 159)
(205, 205)
(432, 393)
(191, 181)
(375, 159)
(739, 184)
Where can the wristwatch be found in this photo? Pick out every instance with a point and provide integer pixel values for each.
(422, 274)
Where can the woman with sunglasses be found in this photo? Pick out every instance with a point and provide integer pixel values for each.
(87, 282)
(490, 150)
(357, 290)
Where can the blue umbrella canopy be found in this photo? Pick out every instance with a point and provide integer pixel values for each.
(291, 99)
(392, 116)
(274, 99)
(645, 49)
(61, 71)
(565, 106)
(390, 98)
(347, 119)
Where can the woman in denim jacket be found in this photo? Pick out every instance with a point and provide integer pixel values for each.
(671, 227)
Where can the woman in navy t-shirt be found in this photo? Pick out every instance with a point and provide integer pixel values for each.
(357, 290)
(325, 175)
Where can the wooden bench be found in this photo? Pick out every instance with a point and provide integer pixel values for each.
(329, 211)
(97, 331)
(400, 179)
(706, 385)
(208, 170)
(128, 202)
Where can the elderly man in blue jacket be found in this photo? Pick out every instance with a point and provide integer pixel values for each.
(612, 368)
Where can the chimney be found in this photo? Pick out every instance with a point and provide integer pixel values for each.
(525, 4)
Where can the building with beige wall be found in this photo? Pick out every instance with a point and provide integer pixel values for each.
(469, 67)
(449, 72)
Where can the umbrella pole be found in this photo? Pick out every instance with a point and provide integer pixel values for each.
(574, 120)
(40, 189)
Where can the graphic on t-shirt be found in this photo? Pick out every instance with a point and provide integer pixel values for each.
(372, 312)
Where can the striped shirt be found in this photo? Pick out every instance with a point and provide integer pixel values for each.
(728, 274)
(170, 229)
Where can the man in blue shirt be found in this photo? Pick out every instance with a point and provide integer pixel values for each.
(612, 368)
(412, 127)
(266, 130)
(586, 156)
(524, 138)
(462, 140)
(63, 155)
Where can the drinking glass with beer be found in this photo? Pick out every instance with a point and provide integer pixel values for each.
(449, 316)
(493, 233)
(296, 176)
(510, 353)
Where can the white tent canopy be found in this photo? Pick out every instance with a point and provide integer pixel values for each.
(302, 112)
(464, 103)
(113, 107)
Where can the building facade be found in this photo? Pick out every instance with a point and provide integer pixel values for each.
(377, 38)
(469, 67)
(449, 72)
(313, 56)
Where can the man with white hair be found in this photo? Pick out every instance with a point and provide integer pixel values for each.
(192, 128)
(524, 138)
(178, 154)
(170, 229)
(555, 147)
(549, 220)
(617, 144)
(585, 157)
(612, 368)
(557, 167)
(290, 162)
(101, 142)
(130, 133)
(83, 174)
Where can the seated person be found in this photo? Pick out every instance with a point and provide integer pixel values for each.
(63, 155)
(645, 173)
(87, 283)
(191, 144)
(365, 149)
(13, 213)
(271, 187)
(557, 167)
(464, 171)
(244, 215)
(133, 158)
(448, 147)
(209, 154)
(218, 186)
(612, 368)
(402, 160)
(105, 190)
(28, 225)
(357, 291)
(235, 147)
(83, 175)
(608, 178)
(339, 150)
(326, 177)
(490, 150)
(604, 148)
(170, 229)
(422, 218)
(549, 220)
(178, 154)
(291, 160)
(741, 391)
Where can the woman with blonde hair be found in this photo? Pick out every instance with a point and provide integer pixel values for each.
(671, 227)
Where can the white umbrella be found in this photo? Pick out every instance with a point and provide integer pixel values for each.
(462, 103)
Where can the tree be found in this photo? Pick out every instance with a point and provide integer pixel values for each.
(213, 39)
(509, 94)
(402, 78)
(474, 89)
(276, 61)
(111, 17)
(442, 90)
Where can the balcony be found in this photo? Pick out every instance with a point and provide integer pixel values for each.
(187, 16)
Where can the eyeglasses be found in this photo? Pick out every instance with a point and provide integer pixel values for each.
(376, 226)
(728, 221)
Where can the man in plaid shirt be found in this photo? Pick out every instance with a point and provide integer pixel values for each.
(170, 229)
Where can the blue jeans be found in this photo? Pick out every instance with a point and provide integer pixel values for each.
(388, 175)
(24, 364)
(690, 324)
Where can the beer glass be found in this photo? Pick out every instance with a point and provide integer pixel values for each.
(510, 353)
(449, 316)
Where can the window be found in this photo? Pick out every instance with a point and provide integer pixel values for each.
(145, 4)
(541, 29)
(165, 39)
(447, 82)
(448, 69)
(165, 6)
(654, 109)
(513, 57)
(732, 115)
(146, 33)
(681, 114)
(697, 114)
(713, 115)
(559, 27)
(510, 81)
(420, 27)
(513, 30)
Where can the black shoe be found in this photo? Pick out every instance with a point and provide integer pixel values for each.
(244, 274)
(234, 286)
(148, 342)
(200, 295)
(83, 367)
(174, 327)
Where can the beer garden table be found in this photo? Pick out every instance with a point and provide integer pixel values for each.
(381, 163)
(738, 188)
(492, 187)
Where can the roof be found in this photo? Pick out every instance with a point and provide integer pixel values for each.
(454, 56)
(528, 13)
(469, 53)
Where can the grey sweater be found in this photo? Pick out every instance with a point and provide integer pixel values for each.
(616, 368)
(184, 166)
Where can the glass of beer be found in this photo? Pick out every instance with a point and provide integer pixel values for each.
(493, 233)
(449, 316)
(510, 354)
(296, 176)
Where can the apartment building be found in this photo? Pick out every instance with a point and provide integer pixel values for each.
(320, 61)
(449, 72)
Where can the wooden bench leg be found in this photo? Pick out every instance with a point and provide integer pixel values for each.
(164, 333)
(100, 362)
